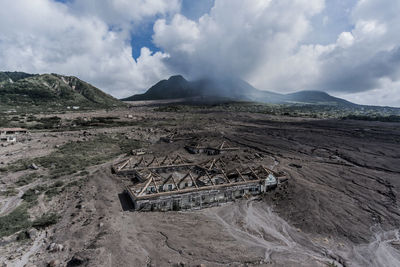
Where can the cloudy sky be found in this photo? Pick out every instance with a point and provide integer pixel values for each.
(348, 48)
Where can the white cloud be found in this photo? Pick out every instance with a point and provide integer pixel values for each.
(44, 36)
(123, 15)
(263, 42)
(370, 28)
(266, 42)
(180, 36)
(239, 38)
(345, 39)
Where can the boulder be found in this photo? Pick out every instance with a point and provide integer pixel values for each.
(32, 233)
(33, 166)
(54, 263)
(54, 247)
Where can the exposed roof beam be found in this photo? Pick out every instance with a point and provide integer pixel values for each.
(145, 186)
(209, 177)
(252, 171)
(226, 177)
(241, 176)
(191, 177)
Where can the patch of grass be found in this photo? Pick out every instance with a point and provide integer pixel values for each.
(31, 195)
(22, 236)
(19, 165)
(76, 156)
(26, 179)
(83, 173)
(47, 123)
(11, 191)
(19, 220)
(57, 124)
(54, 189)
(74, 183)
(15, 221)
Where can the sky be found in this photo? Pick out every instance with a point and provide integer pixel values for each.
(348, 48)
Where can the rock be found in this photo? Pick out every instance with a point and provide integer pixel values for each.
(33, 166)
(201, 265)
(101, 224)
(53, 263)
(54, 247)
(32, 233)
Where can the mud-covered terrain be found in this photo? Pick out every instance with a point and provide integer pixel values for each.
(341, 205)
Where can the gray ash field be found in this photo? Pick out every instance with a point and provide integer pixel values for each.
(339, 208)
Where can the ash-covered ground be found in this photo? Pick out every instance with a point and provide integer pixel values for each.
(341, 205)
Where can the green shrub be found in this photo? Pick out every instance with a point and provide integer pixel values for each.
(46, 220)
(11, 191)
(76, 156)
(15, 221)
(53, 191)
(31, 196)
(22, 236)
(26, 179)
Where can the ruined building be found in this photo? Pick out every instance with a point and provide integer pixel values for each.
(163, 184)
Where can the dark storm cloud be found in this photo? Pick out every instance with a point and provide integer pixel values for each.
(344, 74)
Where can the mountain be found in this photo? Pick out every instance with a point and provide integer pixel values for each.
(51, 90)
(230, 88)
(174, 87)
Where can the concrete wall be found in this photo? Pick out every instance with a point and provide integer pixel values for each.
(198, 199)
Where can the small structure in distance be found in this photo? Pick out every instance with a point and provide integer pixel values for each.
(10, 134)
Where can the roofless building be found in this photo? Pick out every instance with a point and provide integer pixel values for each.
(163, 184)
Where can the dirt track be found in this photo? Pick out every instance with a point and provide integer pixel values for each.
(341, 203)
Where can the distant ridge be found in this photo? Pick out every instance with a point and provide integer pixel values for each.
(51, 90)
(230, 88)
(8, 76)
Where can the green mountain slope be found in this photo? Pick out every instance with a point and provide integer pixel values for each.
(8, 76)
(51, 91)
